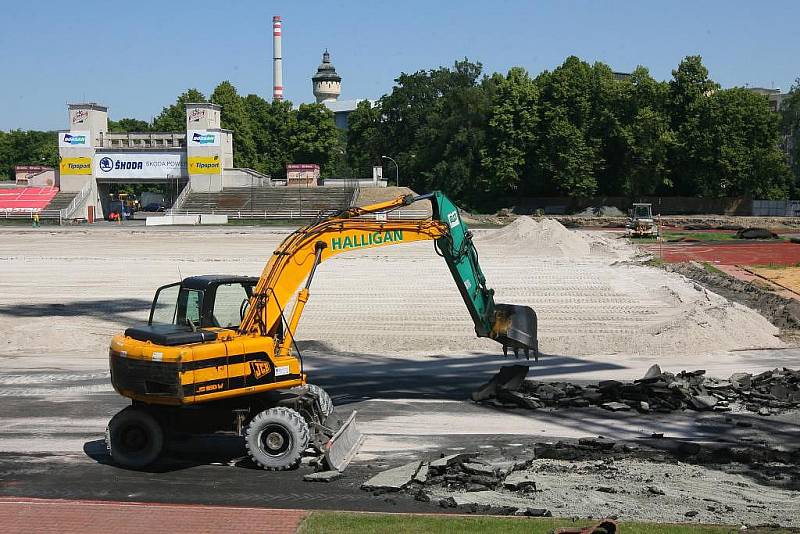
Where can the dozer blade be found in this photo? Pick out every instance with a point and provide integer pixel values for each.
(343, 446)
(515, 327)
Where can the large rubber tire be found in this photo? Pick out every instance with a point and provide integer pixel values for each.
(276, 438)
(325, 401)
(134, 438)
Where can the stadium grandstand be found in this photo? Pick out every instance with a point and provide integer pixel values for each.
(195, 168)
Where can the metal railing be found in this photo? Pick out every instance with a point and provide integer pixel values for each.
(180, 199)
(356, 192)
(259, 179)
(299, 214)
(80, 198)
(261, 214)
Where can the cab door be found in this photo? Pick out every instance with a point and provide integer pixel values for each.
(230, 301)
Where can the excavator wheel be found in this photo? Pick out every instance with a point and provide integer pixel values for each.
(325, 402)
(276, 438)
(134, 438)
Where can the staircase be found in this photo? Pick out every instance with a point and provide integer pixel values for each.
(269, 202)
(59, 202)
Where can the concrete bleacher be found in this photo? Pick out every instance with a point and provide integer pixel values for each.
(59, 202)
(269, 202)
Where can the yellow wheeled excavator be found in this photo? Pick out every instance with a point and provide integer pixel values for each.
(219, 354)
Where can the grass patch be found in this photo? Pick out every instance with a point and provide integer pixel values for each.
(346, 522)
(705, 237)
(655, 262)
(711, 268)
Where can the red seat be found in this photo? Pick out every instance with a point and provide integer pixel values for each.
(26, 198)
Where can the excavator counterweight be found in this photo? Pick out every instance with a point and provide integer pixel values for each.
(219, 352)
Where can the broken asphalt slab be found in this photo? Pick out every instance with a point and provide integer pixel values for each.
(393, 479)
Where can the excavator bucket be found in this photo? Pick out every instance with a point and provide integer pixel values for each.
(344, 445)
(515, 327)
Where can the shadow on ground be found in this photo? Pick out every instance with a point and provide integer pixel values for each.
(108, 309)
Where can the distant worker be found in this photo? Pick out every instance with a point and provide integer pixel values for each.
(35, 219)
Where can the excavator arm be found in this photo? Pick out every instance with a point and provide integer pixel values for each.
(296, 259)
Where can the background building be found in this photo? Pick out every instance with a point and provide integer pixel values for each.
(92, 159)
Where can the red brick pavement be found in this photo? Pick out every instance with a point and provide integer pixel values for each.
(23, 516)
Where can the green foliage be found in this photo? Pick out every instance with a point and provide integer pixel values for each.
(313, 137)
(26, 147)
(364, 142)
(790, 115)
(235, 117)
(173, 118)
(128, 125)
(512, 131)
(746, 159)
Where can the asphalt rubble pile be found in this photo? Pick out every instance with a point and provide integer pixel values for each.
(485, 483)
(768, 393)
(459, 473)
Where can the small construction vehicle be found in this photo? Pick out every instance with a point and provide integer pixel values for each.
(219, 354)
(641, 222)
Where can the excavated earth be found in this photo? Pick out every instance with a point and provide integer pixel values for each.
(386, 333)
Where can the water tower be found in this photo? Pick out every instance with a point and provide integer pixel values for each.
(327, 84)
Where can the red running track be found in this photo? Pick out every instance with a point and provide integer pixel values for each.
(748, 253)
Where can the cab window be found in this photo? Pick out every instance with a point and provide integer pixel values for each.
(228, 305)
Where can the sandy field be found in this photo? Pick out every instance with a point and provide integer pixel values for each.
(65, 292)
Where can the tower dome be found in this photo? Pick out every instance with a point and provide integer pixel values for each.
(327, 84)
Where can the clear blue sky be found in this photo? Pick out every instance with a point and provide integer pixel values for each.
(136, 57)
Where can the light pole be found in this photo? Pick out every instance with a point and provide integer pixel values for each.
(396, 170)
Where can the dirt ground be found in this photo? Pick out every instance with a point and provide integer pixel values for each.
(385, 332)
(787, 277)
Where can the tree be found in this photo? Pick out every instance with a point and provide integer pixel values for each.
(567, 161)
(364, 139)
(271, 123)
(650, 140)
(649, 137)
(235, 117)
(511, 136)
(568, 156)
(173, 118)
(313, 137)
(27, 147)
(693, 153)
(128, 125)
(790, 114)
(747, 159)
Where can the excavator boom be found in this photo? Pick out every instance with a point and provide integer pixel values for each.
(297, 257)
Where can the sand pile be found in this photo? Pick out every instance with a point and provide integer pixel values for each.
(538, 238)
(550, 238)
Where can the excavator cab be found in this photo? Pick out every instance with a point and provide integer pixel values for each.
(193, 311)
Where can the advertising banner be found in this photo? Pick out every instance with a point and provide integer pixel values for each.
(75, 166)
(131, 165)
(202, 138)
(205, 165)
(74, 139)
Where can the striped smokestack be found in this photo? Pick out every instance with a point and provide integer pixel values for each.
(277, 63)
